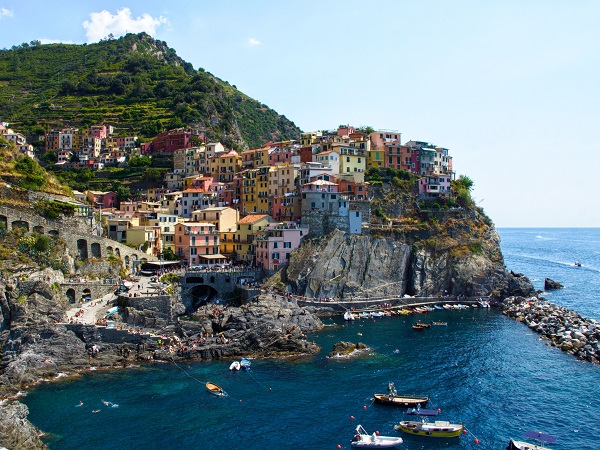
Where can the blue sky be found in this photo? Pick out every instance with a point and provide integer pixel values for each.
(509, 87)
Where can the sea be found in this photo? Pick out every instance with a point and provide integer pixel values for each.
(483, 369)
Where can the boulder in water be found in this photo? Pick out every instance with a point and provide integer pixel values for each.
(551, 285)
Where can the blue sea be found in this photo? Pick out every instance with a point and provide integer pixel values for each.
(483, 369)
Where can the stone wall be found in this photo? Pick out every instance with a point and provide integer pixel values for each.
(76, 232)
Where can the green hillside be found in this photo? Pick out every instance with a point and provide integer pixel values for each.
(135, 83)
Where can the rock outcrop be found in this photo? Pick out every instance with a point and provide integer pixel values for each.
(551, 285)
(16, 432)
(564, 328)
(343, 266)
(343, 348)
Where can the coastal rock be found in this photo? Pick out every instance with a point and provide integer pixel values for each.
(16, 432)
(344, 348)
(344, 266)
(565, 329)
(550, 285)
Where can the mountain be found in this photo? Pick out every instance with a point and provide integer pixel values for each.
(135, 83)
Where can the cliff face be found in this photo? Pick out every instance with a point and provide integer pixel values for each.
(458, 253)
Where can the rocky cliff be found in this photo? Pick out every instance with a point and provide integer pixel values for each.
(455, 253)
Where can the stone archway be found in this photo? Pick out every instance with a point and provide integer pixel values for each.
(20, 225)
(126, 260)
(118, 252)
(70, 295)
(82, 249)
(96, 251)
(109, 250)
(87, 295)
(201, 295)
(38, 229)
(3, 222)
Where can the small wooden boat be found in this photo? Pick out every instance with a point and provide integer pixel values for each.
(362, 439)
(214, 389)
(536, 436)
(423, 324)
(439, 428)
(418, 328)
(406, 401)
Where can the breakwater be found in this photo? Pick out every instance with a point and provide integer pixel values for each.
(564, 328)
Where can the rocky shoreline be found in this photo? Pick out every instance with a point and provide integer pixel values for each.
(564, 328)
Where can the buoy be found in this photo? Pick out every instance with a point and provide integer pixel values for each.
(351, 417)
(270, 389)
(464, 431)
(439, 410)
(377, 432)
(364, 406)
(339, 446)
(476, 440)
(240, 400)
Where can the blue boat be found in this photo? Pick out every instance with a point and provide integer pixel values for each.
(245, 364)
(438, 307)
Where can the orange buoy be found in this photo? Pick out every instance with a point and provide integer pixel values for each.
(351, 417)
(377, 432)
(476, 441)
(339, 446)
(439, 410)
(364, 406)
(464, 431)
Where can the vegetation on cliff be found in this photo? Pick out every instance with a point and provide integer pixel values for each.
(136, 83)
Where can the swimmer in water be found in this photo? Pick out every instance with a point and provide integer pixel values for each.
(80, 403)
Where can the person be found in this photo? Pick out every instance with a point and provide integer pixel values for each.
(80, 403)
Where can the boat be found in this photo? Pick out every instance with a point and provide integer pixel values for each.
(348, 316)
(439, 323)
(377, 314)
(423, 324)
(536, 436)
(577, 264)
(245, 364)
(362, 439)
(438, 307)
(214, 389)
(406, 401)
(438, 428)
(234, 365)
(418, 328)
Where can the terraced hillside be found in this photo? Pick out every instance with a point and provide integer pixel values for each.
(135, 83)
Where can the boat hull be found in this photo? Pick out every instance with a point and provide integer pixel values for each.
(214, 389)
(520, 445)
(440, 429)
(401, 400)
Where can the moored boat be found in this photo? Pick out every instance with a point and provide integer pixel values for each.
(406, 401)
(423, 324)
(362, 439)
(439, 323)
(214, 389)
(245, 364)
(234, 365)
(439, 428)
(536, 436)
(418, 328)
(348, 316)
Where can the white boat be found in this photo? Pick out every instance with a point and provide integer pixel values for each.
(348, 316)
(362, 439)
(234, 365)
(245, 364)
(536, 436)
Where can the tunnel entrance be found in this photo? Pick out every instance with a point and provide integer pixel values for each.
(202, 295)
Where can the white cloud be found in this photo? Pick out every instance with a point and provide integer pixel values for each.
(104, 23)
(6, 12)
(253, 41)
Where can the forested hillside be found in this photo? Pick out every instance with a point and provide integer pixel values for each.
(135, 83)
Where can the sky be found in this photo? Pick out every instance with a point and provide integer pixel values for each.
(511, 88)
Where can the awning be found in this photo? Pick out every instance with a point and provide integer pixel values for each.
(161, 263)
(217, 256)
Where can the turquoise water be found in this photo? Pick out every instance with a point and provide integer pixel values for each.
(483, 369)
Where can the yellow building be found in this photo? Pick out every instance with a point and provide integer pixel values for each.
(353, 160)
(376, 158)
(225, 219)
(223, 166)
(281, 179)
(145, 238)
(244, 237)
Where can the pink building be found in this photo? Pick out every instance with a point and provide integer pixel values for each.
(275, 244)
(435, 185)
(198, 243)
